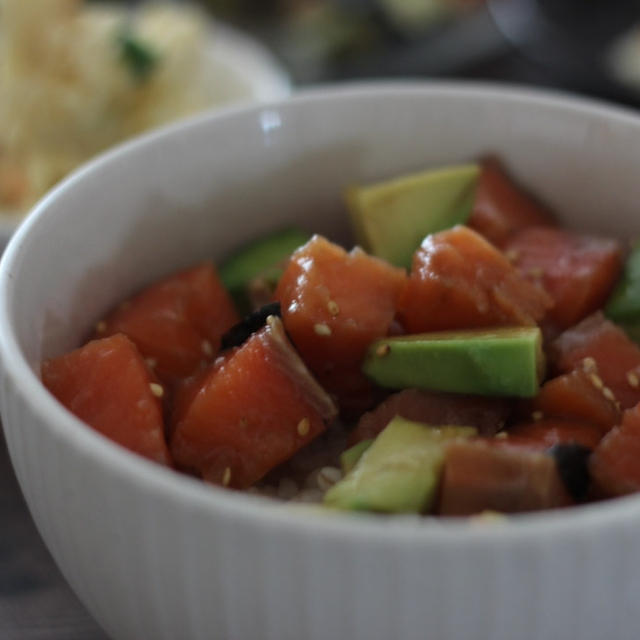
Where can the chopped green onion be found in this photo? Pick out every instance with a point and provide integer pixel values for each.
(138, 56)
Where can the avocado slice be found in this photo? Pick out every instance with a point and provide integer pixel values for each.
(492, 362)
(623, 306)
(391, 218)
(350, 457)
(399, 472)
(259, 263)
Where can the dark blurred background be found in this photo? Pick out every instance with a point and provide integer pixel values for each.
(585, 46)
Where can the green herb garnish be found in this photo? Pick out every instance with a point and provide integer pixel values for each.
(138, 56)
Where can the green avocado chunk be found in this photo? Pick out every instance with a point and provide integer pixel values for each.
(391, 218)
(259, 263)
(350, 457)
(623, 305)
(399, 472)
(493, 362)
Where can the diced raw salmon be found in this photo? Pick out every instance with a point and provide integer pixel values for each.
(176, 323)
(107, 384)
(577, 271)
(460, 281)
(604, 350)
(334, 305)
(479, 477)
(502, 207)
(577, 395)
(251, 411)
(614, 465)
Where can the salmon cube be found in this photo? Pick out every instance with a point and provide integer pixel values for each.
(577, 271)
(334, 305)
(107, 384)
(480, 477)
(459, 280)
(614, 464)
(176, 323)
(577, 395)
(249, 412)
(501, 207)
(606, 353)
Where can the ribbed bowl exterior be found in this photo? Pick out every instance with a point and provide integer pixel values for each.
(150, 566)
(156, 555)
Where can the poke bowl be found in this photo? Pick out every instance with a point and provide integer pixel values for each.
(156, 553)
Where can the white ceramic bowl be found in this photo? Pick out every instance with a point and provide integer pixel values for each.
(157, 555)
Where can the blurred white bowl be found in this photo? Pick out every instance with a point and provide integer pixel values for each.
(157, 555)
(242, 71)
(261, 76)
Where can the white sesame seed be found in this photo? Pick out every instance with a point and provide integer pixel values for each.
(608, 394)
(156, 389)
(537, 416)
(383, 349)
(226, 477)
(333, 307)
(207, 348)
(589, 364)
(101, 327)
(322, 329)
(596, 381)
(633, 380)
(512, 255)
(218, 361)
(304, 426)
(502, 435)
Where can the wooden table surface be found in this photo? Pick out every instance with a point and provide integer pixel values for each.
(35, 601)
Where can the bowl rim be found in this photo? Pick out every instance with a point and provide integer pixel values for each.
(165, 484)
